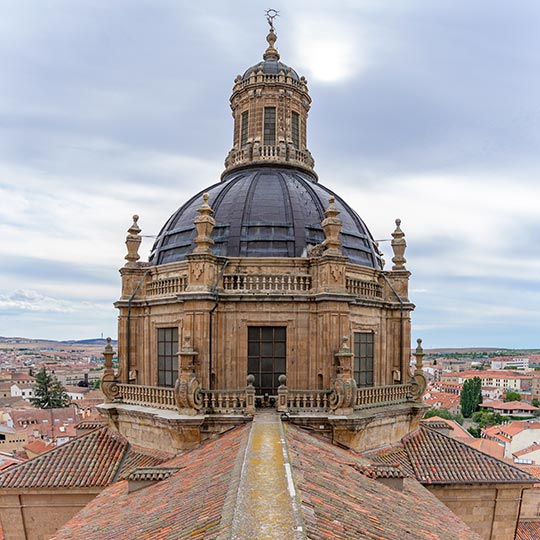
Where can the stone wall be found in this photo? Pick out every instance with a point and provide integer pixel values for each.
(491, 510)
(37, 514)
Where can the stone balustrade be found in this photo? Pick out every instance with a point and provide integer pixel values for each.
(279, 153)
(224, 401)
(235, 401)
(363, 288)
(287, 283)
(308, 400)
(167, 286)
(146, 396)
(383, 395)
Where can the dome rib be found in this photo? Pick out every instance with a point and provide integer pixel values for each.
(265, 212)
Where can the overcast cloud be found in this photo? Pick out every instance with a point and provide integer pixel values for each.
(427, 111)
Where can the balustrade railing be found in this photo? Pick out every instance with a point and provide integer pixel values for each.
(235, 401)
(146, 396)
(374, 396)
(224, 401)
(360, 287)
(267, 282)
(308, 400)
(167, 286)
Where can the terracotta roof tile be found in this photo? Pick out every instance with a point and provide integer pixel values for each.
(94, 459)
(524, 451)
(339, 502)
(528, 530)
(189, 504)
(493, 448)
(435, 458)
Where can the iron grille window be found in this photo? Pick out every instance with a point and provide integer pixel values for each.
(167, 356)
(295, 129)
(269, 125)
(363, 358)
(266, 357)
(244, 134)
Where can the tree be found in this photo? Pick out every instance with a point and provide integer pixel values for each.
(485, 418)
(512, 396)
(471, 396)
(444, 413)
(535, 402)
(48, 392)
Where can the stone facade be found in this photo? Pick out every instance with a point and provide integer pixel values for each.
(492, 511)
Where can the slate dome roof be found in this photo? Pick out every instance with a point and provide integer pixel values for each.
(271, 66)
(265, 212)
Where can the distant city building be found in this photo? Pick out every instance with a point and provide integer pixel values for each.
(510, 363)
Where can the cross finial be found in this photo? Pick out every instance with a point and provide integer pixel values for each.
(271, 14)
(271, 52)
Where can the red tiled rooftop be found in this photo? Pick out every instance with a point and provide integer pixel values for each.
(528, 530)
(508, 406)
(437, 459)
(340, 502)
(534, 447)
(489, 374)
(492, 448)
(191, 503)
(95, 459)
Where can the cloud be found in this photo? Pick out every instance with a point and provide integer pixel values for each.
(30, 300)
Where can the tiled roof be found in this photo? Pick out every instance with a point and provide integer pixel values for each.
(507, 431)
(394, 455)
(95, 459)
(499, 405)
(38, 446)
(524, 451)
(488, 446)
(190, 504)
(437, 459)
(340, 503)
(528, 530)
(458, 431)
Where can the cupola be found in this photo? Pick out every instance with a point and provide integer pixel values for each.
(270, 105)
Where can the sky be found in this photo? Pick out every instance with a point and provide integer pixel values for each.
(426, 111)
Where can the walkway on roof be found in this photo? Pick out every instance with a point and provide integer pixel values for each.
(267, 506)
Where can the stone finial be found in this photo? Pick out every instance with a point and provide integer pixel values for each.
(133, 241)
(398, 245)
(204, 224)
(419, 355)
(332, 227)
(271, 52)
(109, 385)
(108, 354)
(383, 262)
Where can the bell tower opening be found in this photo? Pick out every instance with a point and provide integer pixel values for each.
(267, 357)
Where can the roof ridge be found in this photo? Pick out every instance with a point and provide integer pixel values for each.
(456, 444)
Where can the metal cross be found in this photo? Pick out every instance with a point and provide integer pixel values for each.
(271, 14)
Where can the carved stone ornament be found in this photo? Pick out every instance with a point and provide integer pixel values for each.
(133, 241)
(336, 271)
(418, 381)
(204, 224)
(189, 398)
(343, 395)
(398, 245)
(109, 384)
(332, 227)
(198, 269)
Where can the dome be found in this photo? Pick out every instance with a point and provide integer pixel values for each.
(265, 212)
(271, 67)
